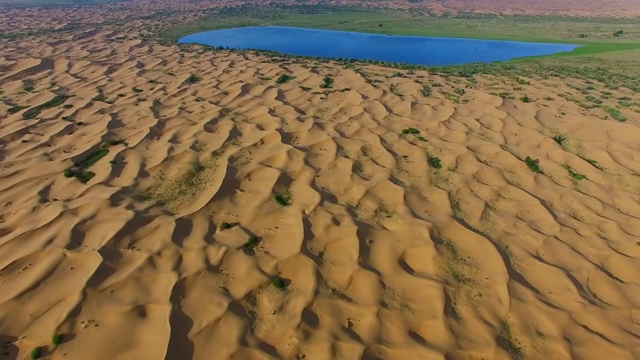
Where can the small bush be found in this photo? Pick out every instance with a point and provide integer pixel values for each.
(559, 139)
(525, 99)
(278, 282)
(57, 339)
(36, 353)
(434, 162)
(85, 176)
(251, 243)
(283, 198)
(224, 226)
(426, 90)
(533, 165)
(574, 175)
(194, 79)
(412, 131)
(327, 83)
(615, 114)
(618, 33)
(68, 173)
(100, 97)
(284, 78)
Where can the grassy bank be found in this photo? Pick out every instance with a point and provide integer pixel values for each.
(595, 35)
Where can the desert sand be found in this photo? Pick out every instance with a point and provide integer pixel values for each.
(383, 255)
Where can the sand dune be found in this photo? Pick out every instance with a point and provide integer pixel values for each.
(436, 245)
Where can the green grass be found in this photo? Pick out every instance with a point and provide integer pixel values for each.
(594, 164)
(35, 111)
(576, 177)
(508, 340)
(548, 28)
(533, 165)
(283, 198)
(284, 78)
(79, 169)
(91, 159)
(426, 90)
(614, 113)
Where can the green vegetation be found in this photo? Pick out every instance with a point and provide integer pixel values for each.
(533, 165)
(36, 353)
(618, 33)
(615, 114)
(595, 164)
(194, 79)
(426, 90)
(278, 282)
(525, 99)
(412, 131)
(559, 139)
(574, 175)
(35, 111)
(79, 169)
(100, 97)
(455, 262)
(417, 22)
(57, 339)
(284, 78)
(283, 198)
(327, 83)
(184, 185)
(434, 162)
(224, 226)
(508, 340)
(251, 243)
(15, 109)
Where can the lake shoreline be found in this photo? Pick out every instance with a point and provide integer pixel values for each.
(351, 46)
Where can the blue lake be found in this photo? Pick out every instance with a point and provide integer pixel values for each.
(416, 50)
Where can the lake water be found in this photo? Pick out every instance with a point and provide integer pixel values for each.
(415, 50)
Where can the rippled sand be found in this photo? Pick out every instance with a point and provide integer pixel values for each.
(383, 255)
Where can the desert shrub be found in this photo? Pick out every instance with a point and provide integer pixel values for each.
(426, 90)
(412, 131)
(327, 83)
(283, 198)
(284, 78)
(278, 282)
(434, 162)
(194, 79)
(533, 165)
(559, 139)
